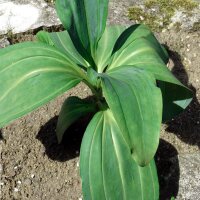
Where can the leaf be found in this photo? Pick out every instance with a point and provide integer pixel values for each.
(135, 32)
(43, 36)
(136, 104)
(31, 74)
(63, 42)
(107, 168)
(72, 109)
(105, 46)
(141, 54)
(139, 51)
(85, 20)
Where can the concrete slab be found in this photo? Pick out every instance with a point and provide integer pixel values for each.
(20, 16)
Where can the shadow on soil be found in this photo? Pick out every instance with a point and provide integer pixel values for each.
(168, 170)
(1, 135)
(187, 125)
(70, 145)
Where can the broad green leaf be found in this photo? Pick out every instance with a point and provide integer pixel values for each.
(140, 50)
(63, 42)
(136, 104)
(105, 46)
(107, 168)
(72, 109)
(31, 74)
(176, 96)
(141, 54)
(85, 20)
(135, 32)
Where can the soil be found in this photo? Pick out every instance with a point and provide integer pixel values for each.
(32, 164)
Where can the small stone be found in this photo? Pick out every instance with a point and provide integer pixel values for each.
(77, 164)
(16, 190)
(4, 42)
(197, 80)
(1, 183)
(32, 175)
(27, 181)
(19, 182)
(11, 173)
(15, 167)
(142, 18)
(79, 198)
(187, 50)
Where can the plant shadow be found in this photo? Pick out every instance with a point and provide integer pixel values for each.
(168, 170)
(69, 148)
(1, 136)
(186, 126)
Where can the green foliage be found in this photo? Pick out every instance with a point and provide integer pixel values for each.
(132, 87)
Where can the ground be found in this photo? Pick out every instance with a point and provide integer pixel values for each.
(32, 164)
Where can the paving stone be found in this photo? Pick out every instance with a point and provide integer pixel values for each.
(189, 182)
(20, 16)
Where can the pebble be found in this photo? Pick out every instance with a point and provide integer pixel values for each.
(27, 181)
(32, 175)
(1, 183)
(19, 182)
(77, 164)
(16, 190)
(11, 173)
(142, 18)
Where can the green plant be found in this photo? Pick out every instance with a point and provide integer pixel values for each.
(133, 92)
